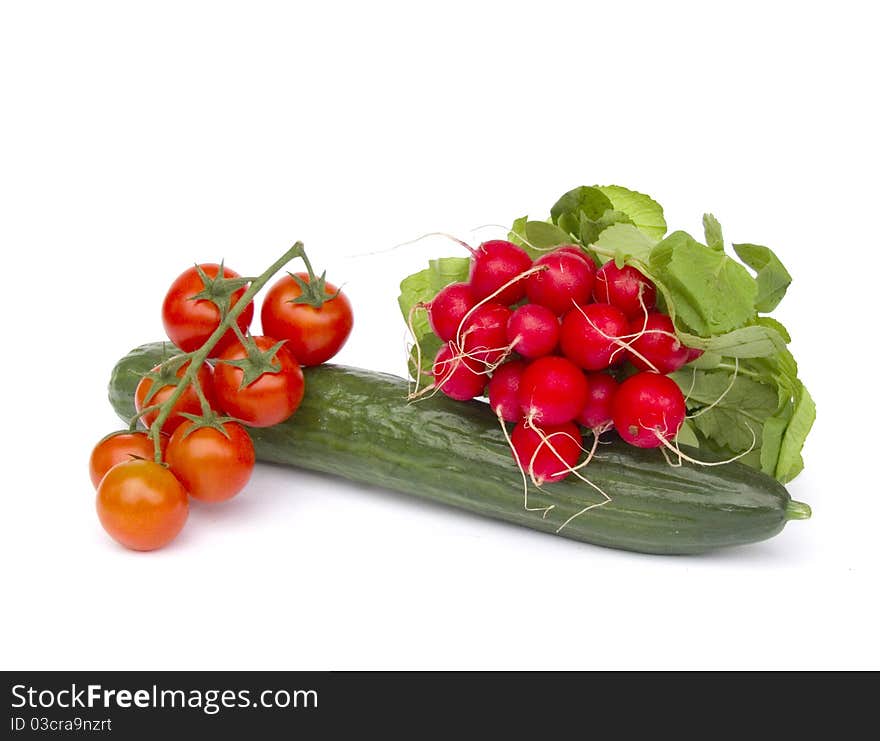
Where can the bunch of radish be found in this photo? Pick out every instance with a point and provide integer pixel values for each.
(559, 344)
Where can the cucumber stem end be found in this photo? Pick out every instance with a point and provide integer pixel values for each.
(797, 510)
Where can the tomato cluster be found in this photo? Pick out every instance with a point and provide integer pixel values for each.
(144, 479)
(557, 344)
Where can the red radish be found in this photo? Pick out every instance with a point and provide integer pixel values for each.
(573, 249)
(596, 414)
(656, 346)
(588, 336)
(648, 408)
(494, 264)
(552, 391)
(694, 353)
(626, 288)
(484, 333)
(456, 376)
(503, 390)
(448, 308)
(533, 331)
(546, 455)
(567, 280)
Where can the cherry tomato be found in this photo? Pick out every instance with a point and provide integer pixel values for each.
(188, 401)
(188, 323)
(270, 398)
(211, 466)
(314, 335)
(119, 448)
(142, 505)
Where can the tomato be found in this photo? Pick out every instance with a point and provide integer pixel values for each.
(269, 399)
(142, 505)
(314, 335)
(118, 448)
(188, 323)
(211, 466)
(188, 401)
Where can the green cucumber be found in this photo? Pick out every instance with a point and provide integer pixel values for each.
(357, 424)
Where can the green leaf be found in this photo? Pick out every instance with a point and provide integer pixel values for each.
(643, 210)
(590, 229)
(738, 410)
(572, 223)
(592, 202)
(687, 436)
(537, 237)
(771, 439)
(712, 230)
(420, 288)
(790, 462)
(626, 241)
(773, 279)
(614, 217)
(545, 236)
(706, 361)
(778, 327)
(779, 369)
(711, 293)
(747, 342)
(518, 231)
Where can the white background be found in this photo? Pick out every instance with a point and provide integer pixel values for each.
(138, 138)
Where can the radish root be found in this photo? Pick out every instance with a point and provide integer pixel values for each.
(414, 241)
(684, 456)
(418, 348)
(544, 510)
(545, 440)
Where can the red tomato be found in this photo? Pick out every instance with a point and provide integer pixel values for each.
(188, 401)
(119, 448)
(314, 335)
(188, 323)
(269, 399)
(141, 505)
(211, 466)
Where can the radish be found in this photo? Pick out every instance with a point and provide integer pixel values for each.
(648, 410)
(596, 414)
(567, 280)
(552, 391)
(483, 334)
(448, 308)
(494, 264)
(533, 331)
(626, 288)
(503, 390)
(694, 353)
(655, 345)
(457, 376)
(573, 249)
(590, 336)
(547, 453)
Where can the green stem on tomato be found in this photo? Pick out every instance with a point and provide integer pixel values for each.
(199, 357)
(312, 276)
(178, 359)
(132, 423)
(240, 335)
(200, 392)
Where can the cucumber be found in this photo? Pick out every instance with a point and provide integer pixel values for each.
(357, 424)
